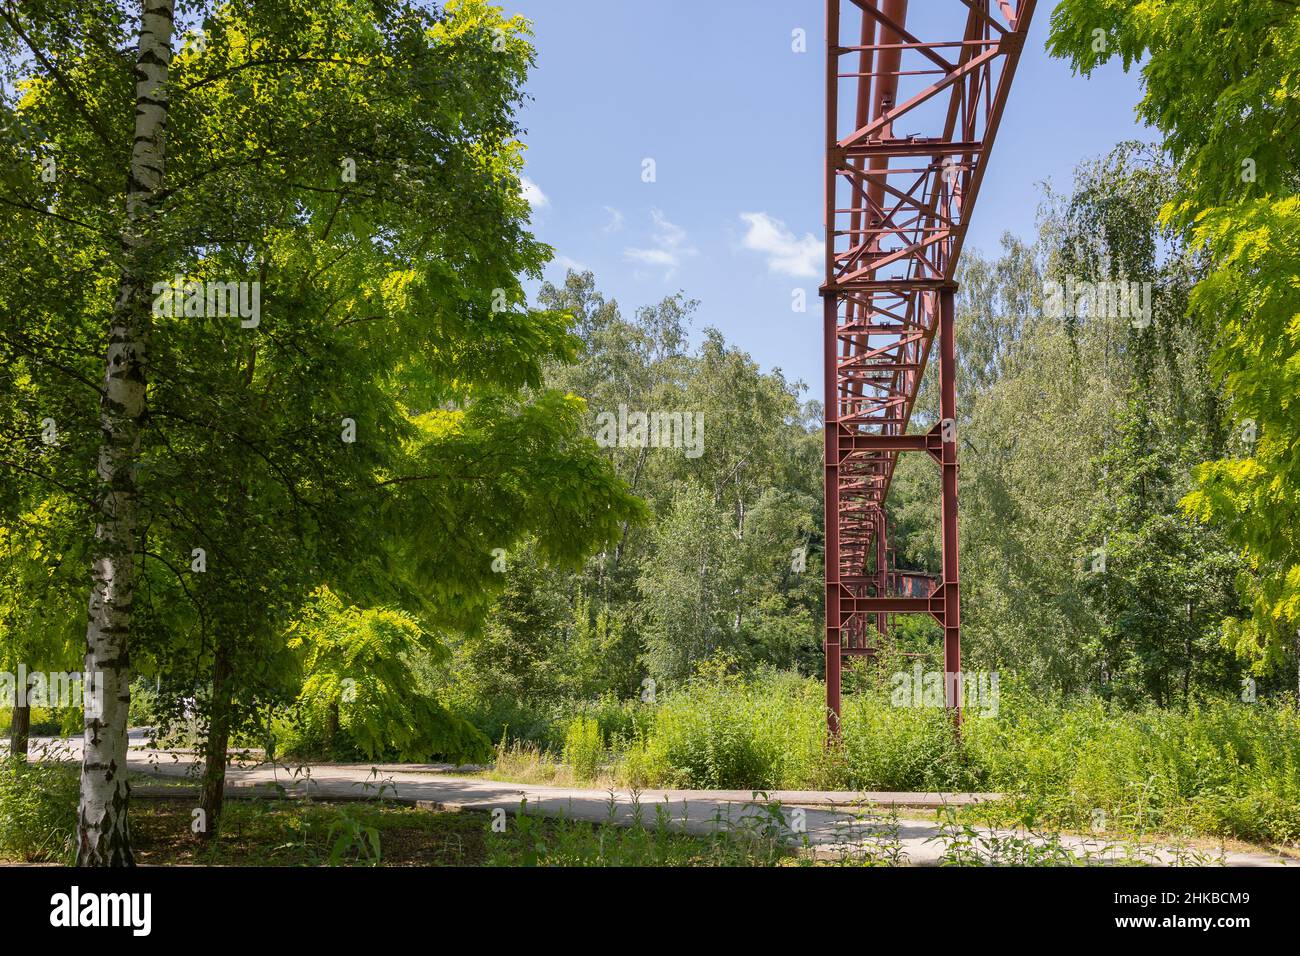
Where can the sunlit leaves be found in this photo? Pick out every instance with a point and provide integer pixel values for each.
(377, 308)
(1219, 80)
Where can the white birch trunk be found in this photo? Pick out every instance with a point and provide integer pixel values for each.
(103, 837)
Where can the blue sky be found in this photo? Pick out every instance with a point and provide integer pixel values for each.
(733, 118)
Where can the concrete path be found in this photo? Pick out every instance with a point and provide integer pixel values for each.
(826, 825)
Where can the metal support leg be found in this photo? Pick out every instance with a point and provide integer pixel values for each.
(912, 112)
(832, 493)
(882, 577)
(951, 576)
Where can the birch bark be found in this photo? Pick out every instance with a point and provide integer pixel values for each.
(103, 835)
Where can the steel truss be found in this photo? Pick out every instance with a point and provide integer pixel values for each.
(897, 205)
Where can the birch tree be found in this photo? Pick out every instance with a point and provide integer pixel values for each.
(103, 836)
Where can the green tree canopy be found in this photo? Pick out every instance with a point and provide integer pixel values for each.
(355, 165)
(1218, 81)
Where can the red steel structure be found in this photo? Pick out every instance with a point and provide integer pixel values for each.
(897, 205)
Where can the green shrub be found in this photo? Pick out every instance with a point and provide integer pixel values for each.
(901, 748)
(519, 720)
(584, 747)
(621, 722)
(360, 694)
(1221, 768)
(723, 732)
(45, 721)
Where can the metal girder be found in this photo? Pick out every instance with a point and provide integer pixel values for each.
(896, 209)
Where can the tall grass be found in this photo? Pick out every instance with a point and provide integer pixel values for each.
(38, 808)
(584, 747)
(725, 732)
(1220, 768)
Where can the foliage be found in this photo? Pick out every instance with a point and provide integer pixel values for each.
(721, 731)
(352, 839)
(1162, 583)
(412, 545)
(380, 426)
(280, 833)
(584, 748)
(1217, 80)
(1219, 767)
(38, 804)
(39, 610)
(1253, 299)
(305, 833)
(717, 569)
(533, 841)
(356, 676)
(684, 583)
(1080, 428)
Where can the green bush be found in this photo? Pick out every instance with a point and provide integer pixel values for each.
(510, 717)
(360, 693)
(38, 810)
(1220, 768)
(721, 731)
(45, 722)
(620, 722)
(900, 748)
(584, 747)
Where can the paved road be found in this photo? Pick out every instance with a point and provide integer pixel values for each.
(829, 825)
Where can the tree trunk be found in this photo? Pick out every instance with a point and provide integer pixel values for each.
(20, 723)
(331, 727)
(103, 836)
(636, 480)
(20, 727)
(1297, 669)
(221, 718)
(214, 756)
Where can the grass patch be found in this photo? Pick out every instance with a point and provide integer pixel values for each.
(1220, 768)
(523, 762)
(300, 833)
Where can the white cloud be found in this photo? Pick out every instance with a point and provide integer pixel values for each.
(532, 193)
(786, 253)
(615, 220)
(669, 246)
(565, 263)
